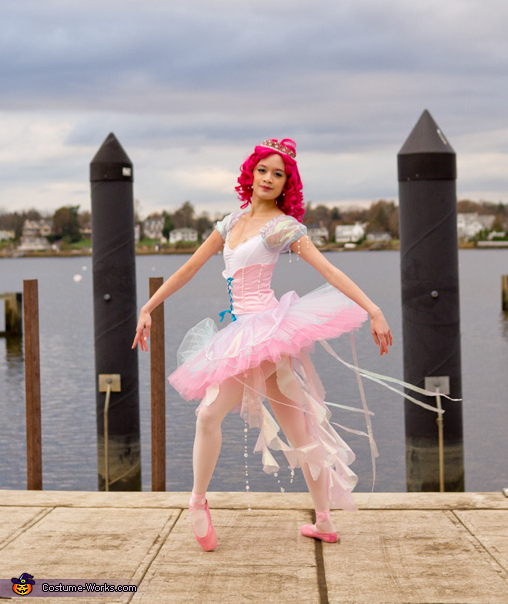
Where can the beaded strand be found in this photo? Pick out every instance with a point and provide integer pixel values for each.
(291, 478)
(246, 457)
(299, 250)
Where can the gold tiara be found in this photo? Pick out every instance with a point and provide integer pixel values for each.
(279, 147)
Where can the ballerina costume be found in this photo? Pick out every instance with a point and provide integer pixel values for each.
(283, 332)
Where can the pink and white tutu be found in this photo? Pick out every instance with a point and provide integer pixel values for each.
(209, 356)
(280, 332)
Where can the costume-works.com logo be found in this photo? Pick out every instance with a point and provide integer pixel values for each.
(23, 585)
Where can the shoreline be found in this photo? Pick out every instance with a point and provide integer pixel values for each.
(392, 247)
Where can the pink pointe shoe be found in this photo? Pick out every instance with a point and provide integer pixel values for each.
(310, 530)
(209, 541)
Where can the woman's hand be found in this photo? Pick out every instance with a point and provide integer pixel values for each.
(380, 331)
(143, 330)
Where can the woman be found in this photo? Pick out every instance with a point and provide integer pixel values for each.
(264, 351)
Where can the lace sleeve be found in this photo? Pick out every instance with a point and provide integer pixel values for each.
(281, 233)
(224, 225)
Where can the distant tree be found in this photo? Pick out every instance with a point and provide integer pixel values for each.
(382, 216)
(499, 223)
(487, 207)
(32, 214)
(85, 219)
(393, 223)
(336, 214)
(323, 215)
(169, 225)
(319, 215)
(466, 206)
(184, 216)
(354, 215)
(66, 223)
(203, 223)
(12, 222)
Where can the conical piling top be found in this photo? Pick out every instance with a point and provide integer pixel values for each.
(111, 162)
(426, 154)
(426, 137)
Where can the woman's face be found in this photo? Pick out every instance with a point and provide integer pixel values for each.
(269, 178)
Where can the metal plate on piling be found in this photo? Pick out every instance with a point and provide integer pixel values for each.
(438, 383)
(109, 379)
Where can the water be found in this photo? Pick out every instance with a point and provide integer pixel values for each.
(68, 374)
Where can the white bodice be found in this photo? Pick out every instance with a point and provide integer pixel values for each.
(249, 266)
(252, 251)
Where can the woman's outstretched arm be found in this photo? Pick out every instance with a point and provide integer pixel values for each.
(183, 275)
(378, 324)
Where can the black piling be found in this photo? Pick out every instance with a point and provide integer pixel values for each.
(430, 301)
(115, 315)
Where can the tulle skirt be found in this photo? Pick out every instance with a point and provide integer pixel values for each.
(282, 336)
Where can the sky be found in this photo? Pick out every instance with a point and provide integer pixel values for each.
(190, 87)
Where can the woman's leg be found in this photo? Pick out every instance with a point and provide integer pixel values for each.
(208, 442)
(291, 419)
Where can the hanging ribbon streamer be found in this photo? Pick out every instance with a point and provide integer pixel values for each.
(379, 379)
(382, 379)
(373, 447)
(375, 377)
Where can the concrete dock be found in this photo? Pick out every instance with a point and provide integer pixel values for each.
(399, 548)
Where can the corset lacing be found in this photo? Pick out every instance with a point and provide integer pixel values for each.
(231, 309)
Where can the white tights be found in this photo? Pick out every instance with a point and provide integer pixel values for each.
(208, 440)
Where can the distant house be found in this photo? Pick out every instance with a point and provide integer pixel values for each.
(469, 225)
(33, 236)
(184, 234)
(349, 233)
(379, 237)
(45, 228)
(86, 231)
(496, 235)
(318, 235)
(37, 228)
(152, 228)
(6, 235)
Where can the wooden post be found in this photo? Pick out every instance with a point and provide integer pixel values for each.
(32, 385)
(504, 292)
(12, 311)
(158, 388)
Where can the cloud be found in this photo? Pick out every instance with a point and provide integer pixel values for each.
(203, 80)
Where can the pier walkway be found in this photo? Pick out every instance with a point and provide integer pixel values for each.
(399, 548)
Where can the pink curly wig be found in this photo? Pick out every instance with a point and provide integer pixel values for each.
(291, 200)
